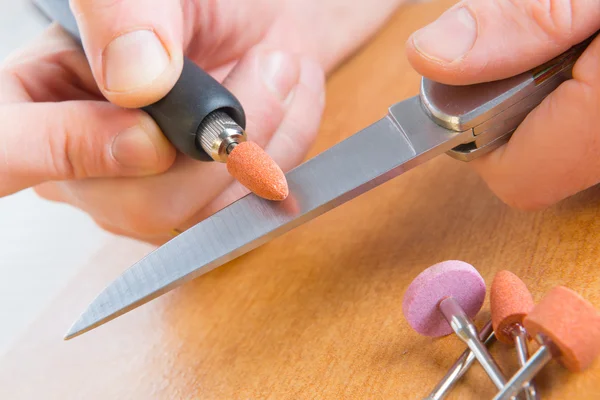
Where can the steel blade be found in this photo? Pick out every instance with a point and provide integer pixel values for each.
(403, 139)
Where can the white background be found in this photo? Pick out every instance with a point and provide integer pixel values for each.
(42, 244)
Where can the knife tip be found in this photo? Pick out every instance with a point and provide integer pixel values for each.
(96, 315)
(85, 324)
(75, 330)
(70, 335)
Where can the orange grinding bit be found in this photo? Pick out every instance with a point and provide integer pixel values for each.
(510, 302)
(568, 329)
(253, 168)
(571, 322)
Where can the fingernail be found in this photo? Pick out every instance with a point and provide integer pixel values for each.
(133, 148)
(313, 77)
(448, 38)
(133, 60)
(279, 72)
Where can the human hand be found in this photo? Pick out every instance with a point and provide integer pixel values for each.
(555, 152)
(62, 137)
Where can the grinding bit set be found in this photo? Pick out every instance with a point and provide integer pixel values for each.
(447, 296)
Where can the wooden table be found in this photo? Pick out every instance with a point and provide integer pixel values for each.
(316, 314)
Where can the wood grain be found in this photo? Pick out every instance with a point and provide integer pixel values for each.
(316, 313)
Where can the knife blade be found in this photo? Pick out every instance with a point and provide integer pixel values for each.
(464, 122)
(376, 154)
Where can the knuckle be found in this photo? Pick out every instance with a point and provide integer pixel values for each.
(59, 156)
(78, 149)
(73, 154)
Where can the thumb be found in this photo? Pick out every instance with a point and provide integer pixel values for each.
(134, 47)
(75, 140)
(480, 40)
(555, 152)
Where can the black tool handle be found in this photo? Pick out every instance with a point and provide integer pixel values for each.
(180, 113)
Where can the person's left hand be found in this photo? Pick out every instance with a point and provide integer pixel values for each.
(271, 54)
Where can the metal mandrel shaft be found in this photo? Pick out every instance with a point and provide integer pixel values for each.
(466, 331)
(533, 366)
(520, 337)
(461, 366)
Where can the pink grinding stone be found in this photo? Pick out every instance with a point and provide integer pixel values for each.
(452, 278)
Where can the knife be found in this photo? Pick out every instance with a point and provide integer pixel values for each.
(463, 122)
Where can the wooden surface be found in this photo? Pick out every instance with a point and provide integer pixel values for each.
(316, 314)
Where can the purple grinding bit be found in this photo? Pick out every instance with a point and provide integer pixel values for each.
(444, 298)
(455, 279)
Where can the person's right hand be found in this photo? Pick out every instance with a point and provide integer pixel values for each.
(555, 152)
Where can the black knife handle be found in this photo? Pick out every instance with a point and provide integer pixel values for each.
(181, 111)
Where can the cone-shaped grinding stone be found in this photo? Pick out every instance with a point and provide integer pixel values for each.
(455, 279)
(510, 301)
(254, 169)
(571, 322)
